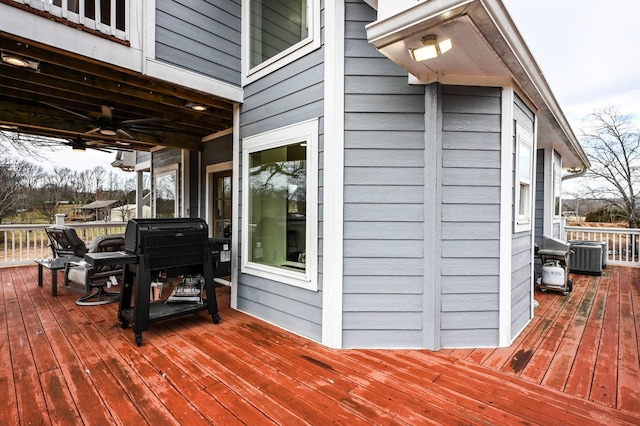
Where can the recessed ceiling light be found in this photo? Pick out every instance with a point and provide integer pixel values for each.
(15, 60)
(196, 107)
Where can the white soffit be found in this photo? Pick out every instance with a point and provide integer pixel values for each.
(487, 50)
(470, 59)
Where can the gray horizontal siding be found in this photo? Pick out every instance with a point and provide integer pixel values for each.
(470, 216)
(201, 36)
(289, 95)
(521, 243)
(383, 196)
(286, 96)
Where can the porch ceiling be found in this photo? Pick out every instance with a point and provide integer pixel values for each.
(67, 96)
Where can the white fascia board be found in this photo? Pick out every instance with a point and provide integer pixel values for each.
(506, 217)
(333, 174)
(193, 80)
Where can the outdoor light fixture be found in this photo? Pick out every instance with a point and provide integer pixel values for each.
(18, 61)
(196, 107)
(430, 49)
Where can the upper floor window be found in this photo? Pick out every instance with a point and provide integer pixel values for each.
(524, 178)
(278, 32)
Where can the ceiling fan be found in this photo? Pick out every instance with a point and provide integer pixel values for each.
(81, 144)
(105, 124)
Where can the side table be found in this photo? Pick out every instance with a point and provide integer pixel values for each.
(55, 265)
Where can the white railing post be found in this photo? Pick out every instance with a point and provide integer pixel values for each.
(60, 218)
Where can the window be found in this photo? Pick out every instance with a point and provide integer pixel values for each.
(557, 185)
(165, 193)
(524, 173)
(280, 204)
(221, 219)
(278, 32)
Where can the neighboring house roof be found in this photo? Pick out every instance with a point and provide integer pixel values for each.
(488, 50)
(99, 204)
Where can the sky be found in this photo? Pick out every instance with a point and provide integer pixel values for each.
(588, 50)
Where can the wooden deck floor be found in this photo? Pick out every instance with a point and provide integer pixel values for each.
(60, 363)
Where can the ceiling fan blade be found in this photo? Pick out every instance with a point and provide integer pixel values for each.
(107, 111)
(124, 133)
(141, 121)
(66, 110)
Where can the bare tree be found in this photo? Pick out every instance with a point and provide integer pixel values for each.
(98, 174)
(612, 142)
(30, 145)
(12, 174)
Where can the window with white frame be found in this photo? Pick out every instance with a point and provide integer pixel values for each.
(166, 192)
(280, 196)
(557, 185)
(278, 32)
(524, 178)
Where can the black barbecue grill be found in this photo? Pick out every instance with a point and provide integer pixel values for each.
(176, 247)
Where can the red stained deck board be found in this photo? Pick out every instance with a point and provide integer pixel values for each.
(535, 335)
(226, 376)
(109, 376)
(246, 371)
(605, 387)
(544, 353)
(558, 372)
(501, 358)
(629, 364)
(29, 394)
(8, 409)
(581, 375)
(272, 383)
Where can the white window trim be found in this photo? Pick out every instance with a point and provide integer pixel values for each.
(210, 170)
(300, 132)
(160, 171)
(523, 222)
(556, 171)
(298, 50)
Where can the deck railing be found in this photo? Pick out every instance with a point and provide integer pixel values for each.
(622, 242)
(23, 244)
(106, 16)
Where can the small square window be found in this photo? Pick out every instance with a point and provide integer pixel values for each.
(277, 32)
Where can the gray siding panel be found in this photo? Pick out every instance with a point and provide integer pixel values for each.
(383, 195)
(381, 284)
(286, 96)
(470, 216)
(382, 339)
(201, 36)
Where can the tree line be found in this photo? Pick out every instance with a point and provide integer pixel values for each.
(27, 188)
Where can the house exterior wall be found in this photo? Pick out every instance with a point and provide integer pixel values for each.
(521, 244)
(470, 218)
(289, 95)
(383, 195)
(202, 36)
